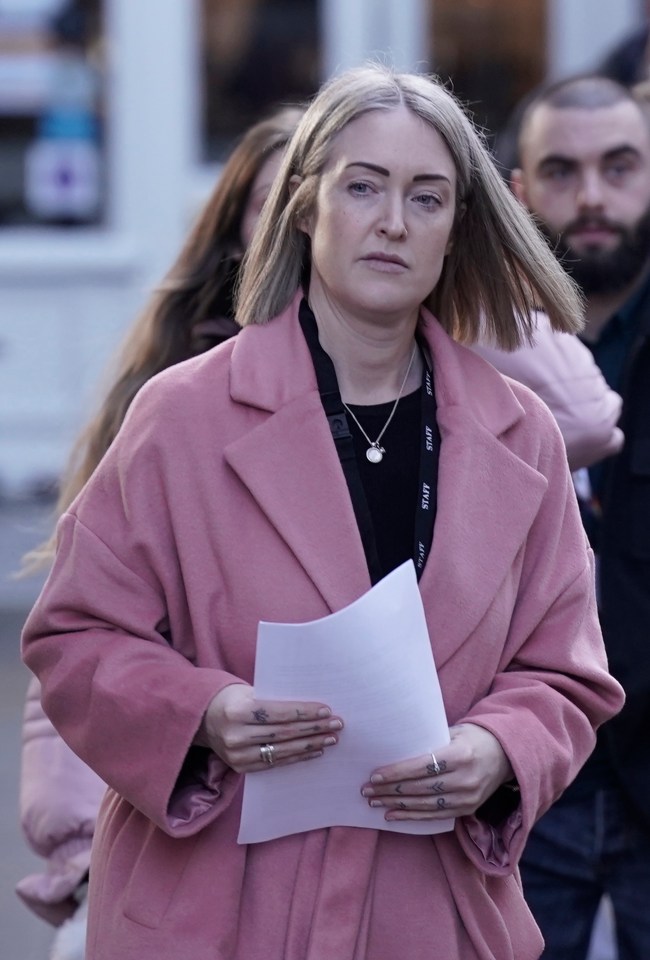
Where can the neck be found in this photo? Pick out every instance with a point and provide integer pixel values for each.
(370, 359)
(600, 309)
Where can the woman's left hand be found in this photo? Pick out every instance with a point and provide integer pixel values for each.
(470, 768)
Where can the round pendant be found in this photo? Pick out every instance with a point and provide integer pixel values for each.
(374, 454)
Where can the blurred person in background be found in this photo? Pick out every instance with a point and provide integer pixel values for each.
(558, 366)
(584, 172)
(191, 312)
(225, 499)
(563, 372)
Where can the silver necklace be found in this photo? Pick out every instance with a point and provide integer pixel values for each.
(375, 452)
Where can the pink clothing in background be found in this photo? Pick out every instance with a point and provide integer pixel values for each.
(59, 800)
(562, 371)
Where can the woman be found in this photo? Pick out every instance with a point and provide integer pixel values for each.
(191, 312)
(227, 499)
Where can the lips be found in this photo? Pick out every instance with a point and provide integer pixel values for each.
(387, 258)
(593, 229)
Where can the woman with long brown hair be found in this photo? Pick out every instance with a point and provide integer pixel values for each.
(191, 311)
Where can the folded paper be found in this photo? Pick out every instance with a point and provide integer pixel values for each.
(372, 663)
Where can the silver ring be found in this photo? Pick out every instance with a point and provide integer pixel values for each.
(266, 753)
(436, 766)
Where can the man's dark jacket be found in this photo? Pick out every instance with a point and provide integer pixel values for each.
(624, 550)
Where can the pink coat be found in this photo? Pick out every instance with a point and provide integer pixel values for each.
(60, 795)
(222, 502)
(59, 800)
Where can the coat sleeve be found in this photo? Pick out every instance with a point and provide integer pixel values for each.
(59, 800)
(552, 689)
(561, 370)
(103, 640)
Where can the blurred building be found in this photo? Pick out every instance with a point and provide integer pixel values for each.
(115, 114)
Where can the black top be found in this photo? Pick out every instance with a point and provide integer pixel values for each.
(620, 534)
(403, 496)
(391, 487)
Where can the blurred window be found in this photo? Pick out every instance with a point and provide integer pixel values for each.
(257, 54)
(51, 169)
(494, 51)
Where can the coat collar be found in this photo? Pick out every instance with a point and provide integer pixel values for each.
(459, 374)
(487, 496)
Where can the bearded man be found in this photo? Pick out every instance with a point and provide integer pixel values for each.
(584, 172)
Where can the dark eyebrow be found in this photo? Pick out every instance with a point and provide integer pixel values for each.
(625, 149)
(558, 158)
(386, 173)
(621, 151)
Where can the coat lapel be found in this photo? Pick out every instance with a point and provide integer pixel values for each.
(487, 501)
(487, 496)
(289, 462)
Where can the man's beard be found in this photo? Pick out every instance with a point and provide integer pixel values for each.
(598, 271)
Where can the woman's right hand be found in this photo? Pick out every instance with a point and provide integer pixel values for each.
(236, 727)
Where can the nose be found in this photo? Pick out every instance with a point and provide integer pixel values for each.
(392, 223)
(590, 190)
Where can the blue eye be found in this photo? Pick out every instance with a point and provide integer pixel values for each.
(428, 199)
(359, 187)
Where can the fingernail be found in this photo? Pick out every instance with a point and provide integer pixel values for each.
(376, 778)
(312, 756)
(325, 712)
(335, 725)
(367, 792)
(376, 803)
(328, 741)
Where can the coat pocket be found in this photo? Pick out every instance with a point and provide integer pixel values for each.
(156, 875)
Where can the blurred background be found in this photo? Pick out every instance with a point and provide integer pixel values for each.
(114, 118)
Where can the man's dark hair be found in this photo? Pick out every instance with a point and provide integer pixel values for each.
(586, 91)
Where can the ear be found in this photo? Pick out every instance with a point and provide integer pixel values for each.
(303, 223)
(517, 185)
(294, 182)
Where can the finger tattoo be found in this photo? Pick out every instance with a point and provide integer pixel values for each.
(437, 787)
(398, 788)
(441, 803)
(260, 716)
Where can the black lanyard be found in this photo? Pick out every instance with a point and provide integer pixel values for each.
(425, 511)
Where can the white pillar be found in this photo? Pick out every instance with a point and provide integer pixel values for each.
(408, 32)
(344, 34)
(152, 121)
(392, 31)
(581, 32)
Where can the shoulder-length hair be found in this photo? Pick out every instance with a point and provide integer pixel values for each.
(499, 267)
(170, 327)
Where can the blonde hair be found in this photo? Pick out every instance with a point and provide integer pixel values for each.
(499, 268)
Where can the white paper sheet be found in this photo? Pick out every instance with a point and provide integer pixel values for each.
(372, 664)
